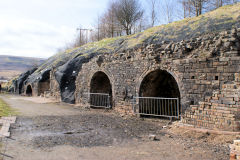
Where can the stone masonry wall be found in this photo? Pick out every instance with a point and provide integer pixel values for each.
(54, 86)
(203, 67)
(34, 87)
(125, 77)
(43, 87)
(221, 110)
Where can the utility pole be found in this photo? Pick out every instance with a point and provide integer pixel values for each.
(80, 37)
(98, 34)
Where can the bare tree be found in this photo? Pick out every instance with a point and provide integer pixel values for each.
(187, 9)
(141, 25)
(153, 11)
(198, 7)
(195, 7)
(107, 24)
(167, 8)
(220, 3)
(128, 12)
(111, 18)
(100, 28)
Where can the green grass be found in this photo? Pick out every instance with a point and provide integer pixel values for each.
(5, 109)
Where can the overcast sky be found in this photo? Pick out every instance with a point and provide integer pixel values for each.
(37, 28)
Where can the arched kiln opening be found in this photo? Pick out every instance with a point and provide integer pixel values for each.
(44, 83)
(29, 90)
(100, 90)
(159, 95)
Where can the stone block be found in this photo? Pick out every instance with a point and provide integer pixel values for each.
(224, 59)
(235, 58)
(220, 63)
(205, 82)
(237, 77)
(220, 69)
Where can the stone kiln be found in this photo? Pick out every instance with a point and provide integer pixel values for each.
(202, 72)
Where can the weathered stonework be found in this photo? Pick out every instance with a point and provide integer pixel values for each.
(43, 87)
(235, 150)
(54, 86)
(219, 111)
(206, 70)
(39, 87)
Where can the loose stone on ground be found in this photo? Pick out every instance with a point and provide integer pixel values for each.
(6, 122)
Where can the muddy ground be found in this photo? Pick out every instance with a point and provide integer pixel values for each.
(85, 130)
(67, 132)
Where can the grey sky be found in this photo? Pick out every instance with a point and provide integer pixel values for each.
(37, 28)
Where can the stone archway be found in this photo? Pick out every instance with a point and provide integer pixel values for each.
(159, 83)
(29, 90)
(100, 85)
(160, 94)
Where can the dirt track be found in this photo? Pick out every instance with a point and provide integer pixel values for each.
(60, 131)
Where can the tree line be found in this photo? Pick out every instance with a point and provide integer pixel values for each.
(198, 7)
(125, 17)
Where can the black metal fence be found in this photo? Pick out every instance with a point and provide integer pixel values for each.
(99, 100)
(156, 106)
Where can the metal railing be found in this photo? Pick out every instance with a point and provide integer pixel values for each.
(99, 100)
(156, 106)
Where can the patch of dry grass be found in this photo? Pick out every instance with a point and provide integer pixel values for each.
(5, 109)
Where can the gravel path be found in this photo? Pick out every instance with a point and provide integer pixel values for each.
(27, 106)
(62, 132)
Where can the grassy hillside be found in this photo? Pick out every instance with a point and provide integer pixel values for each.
(223, 18)
(10, 66)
